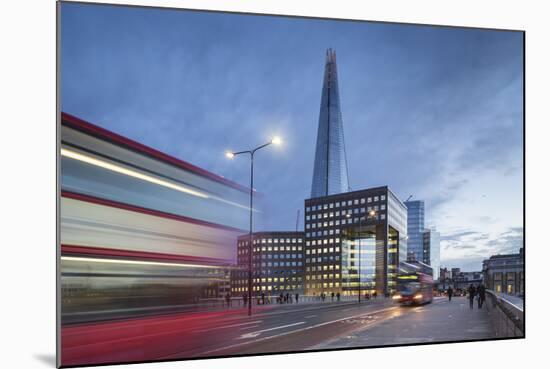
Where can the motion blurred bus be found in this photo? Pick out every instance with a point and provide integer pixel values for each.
(414, 283)
(142, 233)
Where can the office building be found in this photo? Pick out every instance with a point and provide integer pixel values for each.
(330, 173)
(354, 241)
(415, 228)
(277, 263)
(431, 252)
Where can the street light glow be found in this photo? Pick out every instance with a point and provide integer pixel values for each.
(276, 140)
(229, 155)
(372, 213)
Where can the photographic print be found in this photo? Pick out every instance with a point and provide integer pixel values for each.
(242, 184)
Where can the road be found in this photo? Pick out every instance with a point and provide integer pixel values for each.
(274, 328)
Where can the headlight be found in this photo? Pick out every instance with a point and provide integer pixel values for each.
(418, 296)
(396, 297)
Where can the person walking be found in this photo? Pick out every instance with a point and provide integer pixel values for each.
(332, 296)
(472, 295)
(297, 298)
(480, 295)
(227, 299)
(245, 299)
(263, 298)
(450, 293)
(337, 296)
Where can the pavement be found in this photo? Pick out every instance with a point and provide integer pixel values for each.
(440, 321)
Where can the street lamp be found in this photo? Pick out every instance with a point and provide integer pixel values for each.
(230, 155)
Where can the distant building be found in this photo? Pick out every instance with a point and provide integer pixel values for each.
(430, 250)
(354, 239)
(415, 228)
(455, 272)
(505, 273)
(277, 263)
(463, 280)
(330, 172)
(444, 274)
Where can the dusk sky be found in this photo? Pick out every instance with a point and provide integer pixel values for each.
(432, 112)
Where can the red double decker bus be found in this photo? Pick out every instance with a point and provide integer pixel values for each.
(414, 284)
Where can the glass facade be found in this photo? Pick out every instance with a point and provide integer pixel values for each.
(415, 229)
(431, 252)
(351, 238)
(359, 262)
(330, 173)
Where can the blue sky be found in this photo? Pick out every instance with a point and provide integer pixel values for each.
(433, 112)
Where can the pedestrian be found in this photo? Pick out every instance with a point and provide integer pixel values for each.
(245, 299)
(480, 295)
(375, 294)
(332, 296)
(227, 299)
(297, 298)
(450, 293)
(281, 297)
(337, 296)
(287, 298)
(472, 295)
(263, 298)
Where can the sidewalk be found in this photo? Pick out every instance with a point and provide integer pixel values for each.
(440, 321)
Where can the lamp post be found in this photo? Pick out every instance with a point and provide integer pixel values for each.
(231, 155)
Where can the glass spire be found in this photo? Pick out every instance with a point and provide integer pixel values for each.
(330, 173)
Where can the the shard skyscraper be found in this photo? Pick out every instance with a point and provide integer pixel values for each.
(330, 172)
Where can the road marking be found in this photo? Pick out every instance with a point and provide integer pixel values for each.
(227, 326)
(252, 326)
(310, 316)
(294, 331)
(257, 333)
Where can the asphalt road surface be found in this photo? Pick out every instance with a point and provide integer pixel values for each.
(274, 328)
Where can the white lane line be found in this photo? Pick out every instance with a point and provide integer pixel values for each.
(253, 326)
(296, 331)
(257, 333)
(310, 316)
(227, 326)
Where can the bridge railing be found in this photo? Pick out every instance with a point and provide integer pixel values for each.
(238, 301)
(507, 318)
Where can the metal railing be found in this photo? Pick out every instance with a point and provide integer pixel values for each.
(236, 301)
(507, 319)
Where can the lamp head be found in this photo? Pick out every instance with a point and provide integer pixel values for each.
(229, 155)
(276, 140)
